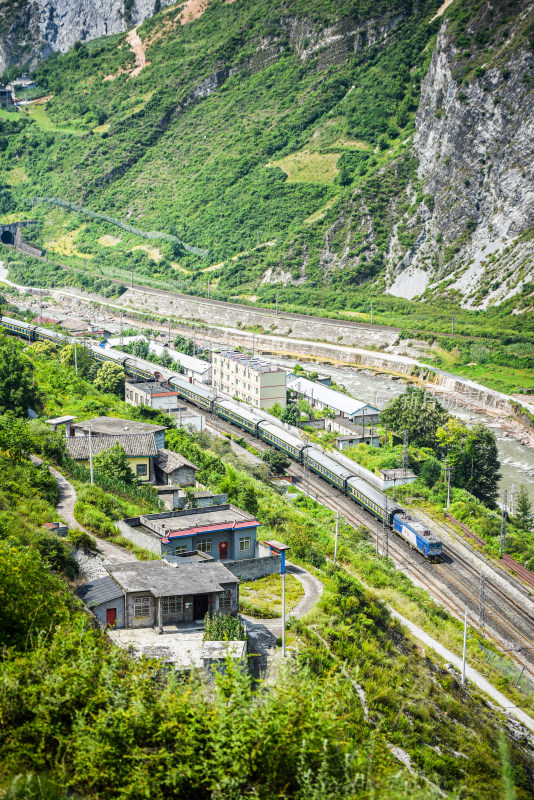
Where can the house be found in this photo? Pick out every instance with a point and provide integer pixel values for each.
(75, 326)
(224, 532)
(157, 594)
(112, 426)
(186, 418)
(140, 450)
(322, 397)
(257, 382)
(174, 469)
(41, 320)
(174, 498)
(24, 82)
(6, 97)
(215, 656)
(153, 394)
(196, 369)
(397, 477)
(105, 599)
(352, 434)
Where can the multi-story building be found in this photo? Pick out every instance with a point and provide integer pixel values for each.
(257, 382)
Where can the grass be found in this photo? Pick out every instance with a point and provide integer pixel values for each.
(64, 245)
(306, 166)
(262, 598)
(37, 113)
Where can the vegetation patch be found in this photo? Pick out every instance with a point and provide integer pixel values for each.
(309, 167)
(262, 598)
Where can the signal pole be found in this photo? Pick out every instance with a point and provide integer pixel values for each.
(448, 486)
(337, 533)
(502, 540)
(482, 603)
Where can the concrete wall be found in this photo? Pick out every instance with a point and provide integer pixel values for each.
(141, 538)
(252, 568)
(100, 611)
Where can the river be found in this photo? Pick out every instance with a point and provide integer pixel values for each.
(517, 460)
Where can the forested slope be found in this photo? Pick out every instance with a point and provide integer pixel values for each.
(293, 135)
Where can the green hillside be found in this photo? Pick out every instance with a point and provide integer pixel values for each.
(275, 135)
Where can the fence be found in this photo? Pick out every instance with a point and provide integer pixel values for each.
(167, 237)
(513, 672)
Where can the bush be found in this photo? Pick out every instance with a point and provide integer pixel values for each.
(82, 541)
(430, 472)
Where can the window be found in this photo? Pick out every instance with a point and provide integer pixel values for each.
(225, 601)
(141, 606)
(141, 469)
(244, 543)
(204, 545)
(181, 548)
(172, 605)
(136, 397)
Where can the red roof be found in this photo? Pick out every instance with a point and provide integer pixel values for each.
(51, 525)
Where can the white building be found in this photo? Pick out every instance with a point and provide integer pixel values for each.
(196, 369)
(152, 394)
(258, 383)
(319, 396)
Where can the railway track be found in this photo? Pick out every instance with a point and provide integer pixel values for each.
(454, 582)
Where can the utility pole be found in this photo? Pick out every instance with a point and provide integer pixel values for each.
(208, 288)
(91, 457)
(169, 338)
(121, 338)
(394, 487)
(404, 453)
(482, 602)
(502, 540)
(512, 496)
(452, 325)
(448, 469)
(75, 358)
(385, 541)
(40, 320)
(277, 304)
(132, 277)
(371, 313)
(465, 647)
(337, 533)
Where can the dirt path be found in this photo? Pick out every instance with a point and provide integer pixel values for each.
(136, 44)
(109, 553)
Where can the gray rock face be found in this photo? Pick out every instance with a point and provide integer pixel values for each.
(475, 147)
(36, 28)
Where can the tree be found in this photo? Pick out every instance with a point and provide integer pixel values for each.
(524, 515)
(110, 378)
(418, 413)
(114, 464)
(15, 437)
(277, 460)
(45, 349)
(474, 457)
(290, 414)
(248, 500)
(17, 391)
(430, 472)
(80, 356)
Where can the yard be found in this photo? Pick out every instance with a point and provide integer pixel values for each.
(263, 597)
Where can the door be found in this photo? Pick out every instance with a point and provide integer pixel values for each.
(111, 617)
(223, 550)
(200, 606)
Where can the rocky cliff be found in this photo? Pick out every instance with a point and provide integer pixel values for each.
(32, 29)
(474, 142)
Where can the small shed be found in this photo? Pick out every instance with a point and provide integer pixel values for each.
(56, 527)
(397, 477)
(174, 470)
(215, 656)
(105, 599)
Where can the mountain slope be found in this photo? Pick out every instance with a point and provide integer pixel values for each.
(340, 134)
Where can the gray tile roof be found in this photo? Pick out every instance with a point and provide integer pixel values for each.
(168, 461)
(135, 445)
(101, 590)
(161, 579)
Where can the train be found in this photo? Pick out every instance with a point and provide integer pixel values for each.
(250, 420)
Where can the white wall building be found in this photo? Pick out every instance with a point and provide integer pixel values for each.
(257, 382)
(319, 396)
(152, 394)
(196, 369)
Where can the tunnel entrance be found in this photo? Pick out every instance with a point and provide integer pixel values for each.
(7, 237)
